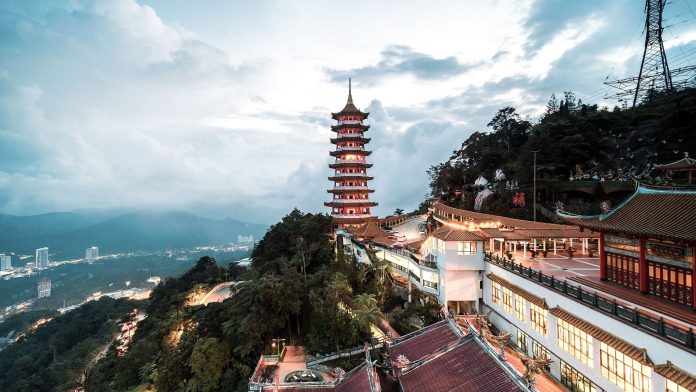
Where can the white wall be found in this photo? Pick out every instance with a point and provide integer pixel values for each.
(658, 350)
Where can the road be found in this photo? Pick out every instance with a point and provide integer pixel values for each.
(218, 293)
(410, 229)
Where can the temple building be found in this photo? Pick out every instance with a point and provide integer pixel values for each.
(648, 242)
(351, 203)
(607, 299)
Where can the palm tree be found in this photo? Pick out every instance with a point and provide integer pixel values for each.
(383, 266)
(366, 311)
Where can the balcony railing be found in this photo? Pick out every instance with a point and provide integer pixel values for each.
(342, 135)
(349, 148)
(349, 201)
(350, 188)
(350, 175)
(351, 215)
(682, 337)
(350, 161)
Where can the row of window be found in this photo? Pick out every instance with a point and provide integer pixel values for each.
(538, 315)
(625, 372)
(465, 248)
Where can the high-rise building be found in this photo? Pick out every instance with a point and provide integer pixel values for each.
(5, 263)
(44, 288)
(351, 203)
(42, 257)
(91, 254)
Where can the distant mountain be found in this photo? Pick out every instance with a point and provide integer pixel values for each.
(67, 234)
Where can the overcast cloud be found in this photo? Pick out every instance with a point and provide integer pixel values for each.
(223, 108)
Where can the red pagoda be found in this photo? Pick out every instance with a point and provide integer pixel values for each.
(351, 203)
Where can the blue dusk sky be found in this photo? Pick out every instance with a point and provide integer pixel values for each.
(222, 108)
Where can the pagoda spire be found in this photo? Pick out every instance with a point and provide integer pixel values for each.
(350, 93)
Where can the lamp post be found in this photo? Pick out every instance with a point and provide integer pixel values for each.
(535, 195)
(276, 344)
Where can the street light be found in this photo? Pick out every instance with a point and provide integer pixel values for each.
(535, 195)
(276, 344)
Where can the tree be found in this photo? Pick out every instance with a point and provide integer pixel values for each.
(552, 105)
(208, 361)
(399, 212)
(366, 311)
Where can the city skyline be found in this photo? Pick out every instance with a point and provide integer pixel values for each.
(222, 110)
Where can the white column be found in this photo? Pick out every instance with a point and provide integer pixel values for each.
(544, 243)
(554, 247)
(583, 246)
(514, 247)
(524, 252)
(492, 246)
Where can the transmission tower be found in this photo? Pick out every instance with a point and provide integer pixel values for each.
(655, 75)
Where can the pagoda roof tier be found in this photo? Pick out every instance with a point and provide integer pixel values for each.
(341, 164)
(350, 108)
(350, 125)
(357, 150)
(350, 189)
(685, 163)
(351, 176)
(650, 212)
(350, 138)
(350, 203)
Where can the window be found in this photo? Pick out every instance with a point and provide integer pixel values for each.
(540, 352)
(466, 248)
(432, 285)
(674, 387)
(539, 318)
(624, 371)
(440, 245)
(507, 299)
(520, 308)
(575, 341)
(522, 341)
(495, 293)
(575, 381)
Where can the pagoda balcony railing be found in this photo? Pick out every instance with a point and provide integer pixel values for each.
(647, 322)
(351, 188)
(347, 135)
(349, 201)
(349, 148)
(361, 216)
(350, 161)
(350, 122)
(350, 175)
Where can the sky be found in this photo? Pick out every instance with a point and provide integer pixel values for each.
(222, 108)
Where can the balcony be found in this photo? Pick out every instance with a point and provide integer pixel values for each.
(349, 201)
(356, 216)
(350, 148)
(350, 175)
(351, 188)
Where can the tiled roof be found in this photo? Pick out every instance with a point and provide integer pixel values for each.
(538, 301)
(383, 240)
(685, 163)
(357, 380)
(668, 214)
(420, 343)
(466, 367)
(679, 376)
(368, 230)
(448, 234)
(505, 221)
(639, 354)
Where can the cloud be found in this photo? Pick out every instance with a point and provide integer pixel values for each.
(400, 60)
(226, 111)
